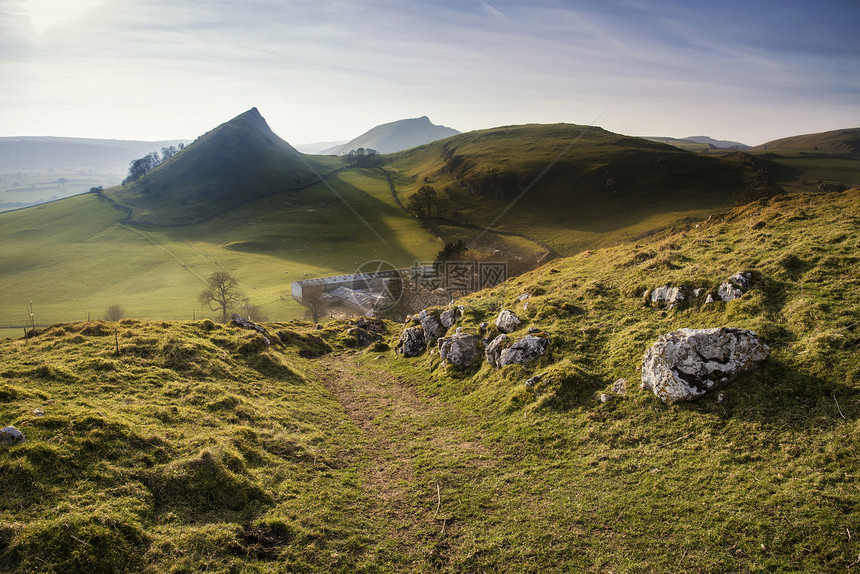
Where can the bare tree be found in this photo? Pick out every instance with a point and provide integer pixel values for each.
(316, 304)
(114, 313)
(222, 294)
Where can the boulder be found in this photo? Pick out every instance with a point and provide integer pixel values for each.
(374, 325)
(687, 363)
(412, 342)
(507, 322)
(459, 350)
(494, 350)
(433, 329)
(525, 350)
(11, 435)
(449, 317)
(736, 286)
(668, 295)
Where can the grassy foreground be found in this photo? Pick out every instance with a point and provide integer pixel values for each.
(196, 448)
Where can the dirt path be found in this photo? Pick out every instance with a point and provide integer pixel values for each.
(421, 453)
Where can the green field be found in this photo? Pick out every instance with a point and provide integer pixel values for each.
(74, 258)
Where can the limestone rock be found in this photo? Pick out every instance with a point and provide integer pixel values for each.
(507, 322)
(526, 350)
(494, 350)
(668, 295)
(449, 317)
(687, 363)
(433, 329)
(736, 286)
(459, 350)
(412, 342)
(11, 435)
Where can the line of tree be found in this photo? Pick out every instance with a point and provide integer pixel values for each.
(362, 157)
(140, 167)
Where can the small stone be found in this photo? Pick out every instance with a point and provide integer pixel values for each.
(619, 387)
(534, 330)
(721, 397)
(524, 296)
(533, 381)
(604, 397)
(39, 412)
(11, 435)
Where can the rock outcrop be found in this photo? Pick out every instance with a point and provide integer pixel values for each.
(460, 350)
(687, 363)
(525, 350)
(507, 322)
(668, 295)
(494, 350)
(451, 316)
(412, 342)
(734, 288)
(431, 325)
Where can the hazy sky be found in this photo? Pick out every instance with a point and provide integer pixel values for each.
(323, 70)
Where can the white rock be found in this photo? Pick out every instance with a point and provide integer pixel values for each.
(687, 363)
(507, 322)
(668, 295)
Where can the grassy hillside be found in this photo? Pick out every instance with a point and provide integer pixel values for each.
(845, 141)
(76, 257)
(195, 447)
(570, 187)
(234, 163)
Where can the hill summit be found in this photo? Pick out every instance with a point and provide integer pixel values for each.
(238, 161)
(396, 136)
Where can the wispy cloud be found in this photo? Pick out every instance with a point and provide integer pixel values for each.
(328, 70)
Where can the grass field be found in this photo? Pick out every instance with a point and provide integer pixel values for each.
(74, 258)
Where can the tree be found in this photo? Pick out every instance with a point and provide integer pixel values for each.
(422, 201)
(222, 294)
(114, 313)
(453, 251)
(316, 303)
(139, 167)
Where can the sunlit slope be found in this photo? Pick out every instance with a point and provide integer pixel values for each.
(570, 186)
(236, 162)
(75, 257)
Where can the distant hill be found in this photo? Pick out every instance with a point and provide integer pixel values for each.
(719, 144)
(318, 147)
(236, 162)
(844, 141)
(44, 153)
(395, 136)
(34, 170)
(699, 143)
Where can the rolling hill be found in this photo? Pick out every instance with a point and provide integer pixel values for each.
(395, 136)
(842, 142)
(572, 187)
(241, 199)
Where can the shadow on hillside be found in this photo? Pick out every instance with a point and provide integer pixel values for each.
(781, 396)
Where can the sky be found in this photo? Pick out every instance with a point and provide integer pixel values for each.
(324, 70)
